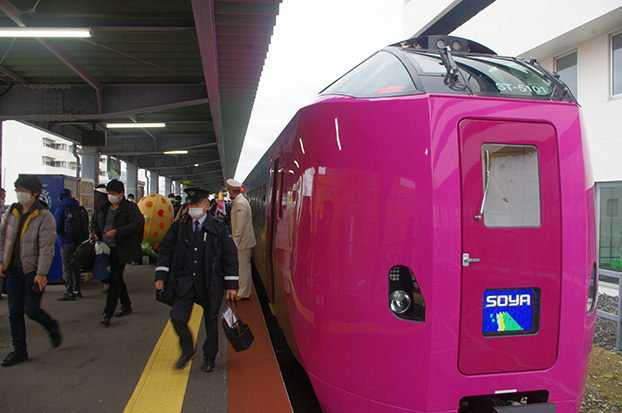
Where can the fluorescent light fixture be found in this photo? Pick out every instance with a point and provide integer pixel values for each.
(44, 32)
(175, 152)
(135, 125)
(196, 164)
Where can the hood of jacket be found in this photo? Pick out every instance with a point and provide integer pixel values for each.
(67, 202)
(38, 204)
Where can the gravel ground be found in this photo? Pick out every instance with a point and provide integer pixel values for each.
(603, 388)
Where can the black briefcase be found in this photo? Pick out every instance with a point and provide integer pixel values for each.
(238, 333)
(165, 297)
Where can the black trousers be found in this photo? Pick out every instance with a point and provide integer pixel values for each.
(23, 299)
(117, 290)
(180, 314)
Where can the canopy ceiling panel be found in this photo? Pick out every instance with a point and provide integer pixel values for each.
(192, 64)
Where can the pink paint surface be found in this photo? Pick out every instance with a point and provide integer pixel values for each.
(370, 184)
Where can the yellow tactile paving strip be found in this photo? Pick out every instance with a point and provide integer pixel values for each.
(161, 387)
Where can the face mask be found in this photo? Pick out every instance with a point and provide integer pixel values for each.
(114, 199)
(24, 198)
(196, 213)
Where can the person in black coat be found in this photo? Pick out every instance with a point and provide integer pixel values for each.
(197, 262)
(119, 223)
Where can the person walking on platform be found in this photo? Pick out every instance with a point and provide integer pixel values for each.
(27, 236)
(71, 216)
(197, 261)
(243, 236)
(119, 223)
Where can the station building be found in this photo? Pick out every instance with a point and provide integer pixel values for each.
(582, 41)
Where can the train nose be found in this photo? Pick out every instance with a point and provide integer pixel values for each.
(405, 297)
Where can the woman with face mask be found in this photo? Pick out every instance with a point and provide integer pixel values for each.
(27, 237)
(119, 223)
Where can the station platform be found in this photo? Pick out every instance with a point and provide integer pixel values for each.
(129, 366)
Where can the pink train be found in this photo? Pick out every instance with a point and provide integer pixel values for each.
(426, 234)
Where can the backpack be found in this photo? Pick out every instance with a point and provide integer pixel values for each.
(76, 224)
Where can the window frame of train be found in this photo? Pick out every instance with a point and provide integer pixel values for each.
(616, 65)
(483, 75)
(503, 152)
(382, 69)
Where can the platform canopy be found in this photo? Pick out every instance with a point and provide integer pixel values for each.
(191, 64)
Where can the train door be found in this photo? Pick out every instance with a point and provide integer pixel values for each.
(511, 246)
(272, 220)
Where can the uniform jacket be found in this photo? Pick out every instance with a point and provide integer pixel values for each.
(38, 238)
(219, 257)
(242, 223)
(59, 216)
(128, 222)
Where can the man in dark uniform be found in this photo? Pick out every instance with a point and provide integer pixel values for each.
(197, 261)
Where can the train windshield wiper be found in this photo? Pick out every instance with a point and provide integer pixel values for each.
(452, 78)
(558, 86)
(450, 64)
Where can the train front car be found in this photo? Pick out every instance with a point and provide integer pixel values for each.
(428, 238)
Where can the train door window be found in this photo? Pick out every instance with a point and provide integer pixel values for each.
(511, 182)
(281, 199)
(616, 64)
(566, 66)
(379, 76)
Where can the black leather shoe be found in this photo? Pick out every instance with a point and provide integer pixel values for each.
(123, 311)
(56, 337)
(14, 357)
(183, 360)
(209, 364)
(105, 320)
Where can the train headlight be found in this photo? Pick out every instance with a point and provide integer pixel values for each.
(399, 301)
(405, 297)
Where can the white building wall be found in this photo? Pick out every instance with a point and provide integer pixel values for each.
(23, 151)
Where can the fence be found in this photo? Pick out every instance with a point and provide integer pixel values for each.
(614, 317)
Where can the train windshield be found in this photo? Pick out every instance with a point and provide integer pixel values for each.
(491, 76)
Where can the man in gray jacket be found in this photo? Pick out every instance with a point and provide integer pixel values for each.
(27, 237)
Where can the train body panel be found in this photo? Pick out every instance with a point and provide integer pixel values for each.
(356, 193)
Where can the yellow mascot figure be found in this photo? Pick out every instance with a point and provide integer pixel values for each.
(158, 213)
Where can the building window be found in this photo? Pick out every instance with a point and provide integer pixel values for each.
(566, 66)
(610, 226)
(616, 64)
(47, 161)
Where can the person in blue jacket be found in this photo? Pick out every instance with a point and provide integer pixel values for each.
(67, 248)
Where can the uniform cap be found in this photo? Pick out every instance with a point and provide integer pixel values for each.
(233, 183)
(196, 195)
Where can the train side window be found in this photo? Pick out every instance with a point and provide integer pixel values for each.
(379, 76)
(512, 177)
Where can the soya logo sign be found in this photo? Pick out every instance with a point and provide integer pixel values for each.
(507, 311)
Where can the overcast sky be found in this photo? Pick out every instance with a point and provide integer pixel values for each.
(314, 43)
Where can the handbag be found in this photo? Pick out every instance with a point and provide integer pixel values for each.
(238, 333)
(101, 264)
(165, 297)
(84, 256)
